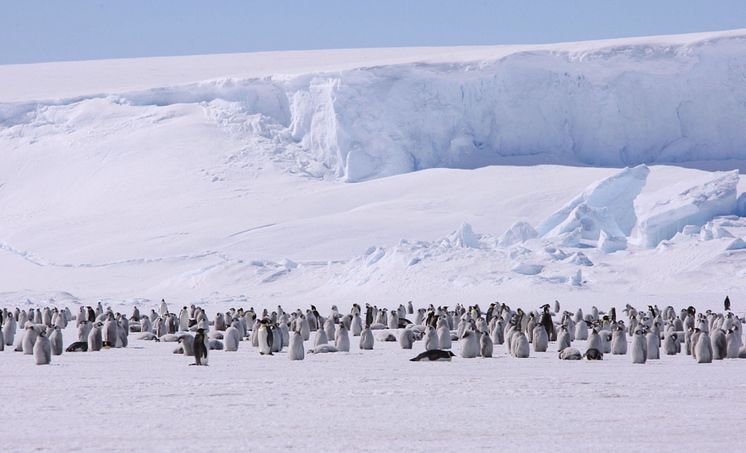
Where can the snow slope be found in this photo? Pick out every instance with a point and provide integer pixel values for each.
(140, 179)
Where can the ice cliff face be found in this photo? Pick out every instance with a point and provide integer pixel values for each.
(619, 105)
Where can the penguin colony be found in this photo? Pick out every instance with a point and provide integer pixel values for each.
(642, 335)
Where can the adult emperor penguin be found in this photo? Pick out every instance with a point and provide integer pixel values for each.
(201, 346)
(639, 347)
(356, 325)
(55, 341)
(295, 348)
(366, 338)
(485, 345)
(342, 339)
(546, 321)
(469, 344)
(264, 337)
(42, 350)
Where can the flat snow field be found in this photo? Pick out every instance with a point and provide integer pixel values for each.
(144, 398)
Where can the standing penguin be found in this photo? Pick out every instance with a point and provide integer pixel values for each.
(95, 338)
(444, 335)
(295, 348)
(366, 339)
(200, 348)
(187, 344)
(541, 340)
(410, 308)
(485, 345)
(546, 321)
(726, 303)
(406, 338)
(653, 353)
(639, 347)
(431, 339)
(356, 325)
(321, 338)
(42, 350)
(563, 338)
(469, 344)
(55, 341)
(264, 337)
(619, 340)
(29, 338)
(703, 348)
(519, 348)
(719, 344)
(342, 339)
(732, 344)
(670, 342)
(231, 338)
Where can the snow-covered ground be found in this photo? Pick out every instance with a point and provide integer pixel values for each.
(145, 397)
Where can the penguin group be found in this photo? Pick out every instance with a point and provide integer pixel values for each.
(643, 334)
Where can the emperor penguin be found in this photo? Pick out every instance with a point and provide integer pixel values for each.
(110, 332)
(42, 350)
(581, 330)
(321, 338)
(184, 320)
(163, 309)
(9, 330)
(563, 338)
(95, 338)
(410, 308)
(276, 338)
(264, 337)
(520, 348)
(732, 344)
(29, 338)
(703, 348)
(55, 341)
(187, 344)
(619, 340)
(719, 344)
(595, 341)
(639, 347)
(231, 338)
(653, 353)
(485, 345)
(330, 328)
(366, 338)
(498, 332)
(541, 340)
(444, 335)
(305, 327)
(342, 339)
(406, 339)
(570, 354)
(200, 347)
(670, 343)
(431, 339)
(295, 348)
(469, 344)
(356, 326)
(393, 321)
(546, 321)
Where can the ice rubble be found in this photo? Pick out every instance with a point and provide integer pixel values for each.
(664, 213)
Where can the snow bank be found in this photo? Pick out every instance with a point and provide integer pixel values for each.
(664, 213)
(621, 104)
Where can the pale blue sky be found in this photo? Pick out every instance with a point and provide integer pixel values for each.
(35, 31)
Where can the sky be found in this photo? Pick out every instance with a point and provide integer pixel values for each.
(36, 31)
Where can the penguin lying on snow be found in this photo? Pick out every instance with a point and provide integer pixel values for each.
(434, 355)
